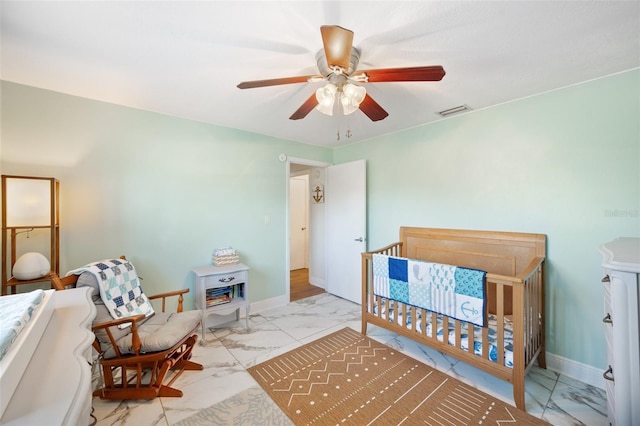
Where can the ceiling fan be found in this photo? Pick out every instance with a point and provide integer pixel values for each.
(338, 63)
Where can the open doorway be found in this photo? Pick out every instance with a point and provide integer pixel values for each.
(299, 221)
(306, 231)
(340, 223)
(346, 219)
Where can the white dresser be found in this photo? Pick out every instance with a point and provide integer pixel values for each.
(621, 263)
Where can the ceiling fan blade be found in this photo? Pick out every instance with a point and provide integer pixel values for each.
(372, 109)
(305, 108)
(430, 73)
(337, 43)
(277, 81)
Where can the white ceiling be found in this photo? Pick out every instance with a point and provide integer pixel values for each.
(186, 58)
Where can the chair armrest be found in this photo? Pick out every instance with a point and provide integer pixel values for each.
(62, 283)
(135, 339)
(115, 322)
(164, 296)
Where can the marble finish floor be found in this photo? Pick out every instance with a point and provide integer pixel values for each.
(225, 394)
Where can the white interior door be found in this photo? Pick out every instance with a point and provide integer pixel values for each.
(346, 213)
(298, 224)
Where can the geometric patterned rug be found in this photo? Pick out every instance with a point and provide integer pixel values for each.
(346, 378)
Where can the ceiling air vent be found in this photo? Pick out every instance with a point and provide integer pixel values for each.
(454, 110)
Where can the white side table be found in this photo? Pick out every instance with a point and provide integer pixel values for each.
(221, 290)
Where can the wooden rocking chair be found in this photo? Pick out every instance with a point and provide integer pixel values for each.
(135, 361)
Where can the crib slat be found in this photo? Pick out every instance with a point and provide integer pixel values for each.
(485, 343)
(471, 338)
(540, 309)
(500, 328)
(445, 329)
(404, 312)
(529, 322)
(434, 327)
(366, 266)
(535, 321)
(370, 283)
(415, 318)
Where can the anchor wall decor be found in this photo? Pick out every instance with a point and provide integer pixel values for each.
(318, 193)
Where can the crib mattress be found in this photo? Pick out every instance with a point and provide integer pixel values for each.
(388, 313)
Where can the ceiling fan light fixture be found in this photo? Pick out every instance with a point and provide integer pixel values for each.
(351, 97)
(326, 97)
(347, 107)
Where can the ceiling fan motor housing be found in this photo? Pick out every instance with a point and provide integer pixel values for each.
(326, 70)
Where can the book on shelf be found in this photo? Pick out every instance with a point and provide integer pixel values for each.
(212, 292)
(221, 295)
(216, 302)
(238, 290)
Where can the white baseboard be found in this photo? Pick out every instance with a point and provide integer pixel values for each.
(263, 305)
(576, 370)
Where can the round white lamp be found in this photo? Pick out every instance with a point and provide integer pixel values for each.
(31, 266)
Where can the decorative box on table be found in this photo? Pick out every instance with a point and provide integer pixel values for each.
(225, 256)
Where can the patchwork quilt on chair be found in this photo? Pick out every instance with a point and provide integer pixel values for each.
(454, 291)
(119, 288)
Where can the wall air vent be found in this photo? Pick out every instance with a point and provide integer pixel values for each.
(454, 110)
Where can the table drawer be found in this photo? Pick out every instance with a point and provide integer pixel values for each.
(222, 280)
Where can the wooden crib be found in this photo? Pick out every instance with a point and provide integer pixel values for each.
(514, 263)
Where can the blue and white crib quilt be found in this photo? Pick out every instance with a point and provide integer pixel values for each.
(119, 288)
(453, 291)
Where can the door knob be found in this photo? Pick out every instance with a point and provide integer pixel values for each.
(359, 239)
(302, 229)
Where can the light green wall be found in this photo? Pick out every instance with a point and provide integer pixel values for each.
(564, 164)
(162, 190)
(166, 191)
